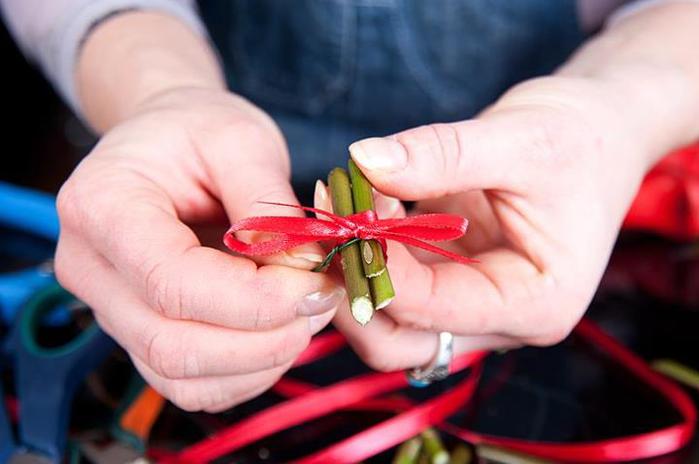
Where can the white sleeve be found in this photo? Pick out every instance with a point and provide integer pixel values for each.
(50, 33)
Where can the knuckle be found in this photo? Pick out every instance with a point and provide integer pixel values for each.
(436, 143)
(274, 189)
(248, 128)
(165, 294)
(218, 408)
(449, 147)
(229, 400)
(156, 287)
(271, 299)
(262, 130)
(62, 267)
(164, 357)
(268, 311)
(553, 326)
(69, 204)
(188, 397)
(554, 335)
(290, 344)
(555, 316)
(262, 317)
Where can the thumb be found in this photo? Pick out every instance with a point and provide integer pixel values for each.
(440, 159)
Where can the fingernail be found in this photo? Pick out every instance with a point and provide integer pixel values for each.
(317, 323)
(387, 207)
(308, 255)
(379, 154)
(320, 302)
(320, 195)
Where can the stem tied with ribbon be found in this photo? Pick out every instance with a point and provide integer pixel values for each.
(357, 234)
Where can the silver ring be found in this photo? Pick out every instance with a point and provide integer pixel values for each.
(438, 368)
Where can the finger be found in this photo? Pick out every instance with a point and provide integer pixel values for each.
(386, 207)
(484, 229)
(387, 346)
(211, 394)
(262, 176)
(185, 349)
(439, 159)
(321, 198)
(502, 294)
(162, 258)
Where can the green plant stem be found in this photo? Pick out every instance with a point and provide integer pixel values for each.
(678, 372)
(408, 452)
(372, 254)
(461, 455)
(356, 282)
(434, 448)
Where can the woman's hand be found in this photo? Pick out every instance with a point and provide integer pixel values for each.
(545, 177)
(206, 329)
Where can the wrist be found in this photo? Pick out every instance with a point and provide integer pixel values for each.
(134, 56)
(648, 66)
(656, 102)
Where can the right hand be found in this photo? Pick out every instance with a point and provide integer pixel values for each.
(206, 329)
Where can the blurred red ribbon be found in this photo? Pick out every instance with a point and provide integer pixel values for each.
(290, 232)
(372, 392)
(668, 200)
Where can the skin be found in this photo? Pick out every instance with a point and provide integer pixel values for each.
(174, 167)
(545, 176)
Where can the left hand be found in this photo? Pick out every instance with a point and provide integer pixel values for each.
(545, 177)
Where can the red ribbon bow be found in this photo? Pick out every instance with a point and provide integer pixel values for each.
(294, 231)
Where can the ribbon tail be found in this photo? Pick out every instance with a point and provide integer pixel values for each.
(428, 247)
(268, 247)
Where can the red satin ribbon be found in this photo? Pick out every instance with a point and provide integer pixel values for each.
(291, 232)
(668, 200)
(365, 392)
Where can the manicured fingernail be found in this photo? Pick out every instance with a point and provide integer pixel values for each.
(320, 195)
(317, 323)
(387, 207)
(379, 154)
(308, 255)
(320, 302)
(302, 257)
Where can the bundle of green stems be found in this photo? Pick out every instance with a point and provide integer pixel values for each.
(427, 448)
(368, 283)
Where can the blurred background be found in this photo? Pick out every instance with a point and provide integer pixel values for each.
(43, 141)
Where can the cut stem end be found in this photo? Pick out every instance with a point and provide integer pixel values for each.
(362, 309)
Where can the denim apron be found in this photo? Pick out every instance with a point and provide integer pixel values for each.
(334, 71)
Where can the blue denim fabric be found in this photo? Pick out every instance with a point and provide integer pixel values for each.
(333, 71)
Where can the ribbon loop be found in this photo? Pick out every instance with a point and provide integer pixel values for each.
(290, 232)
